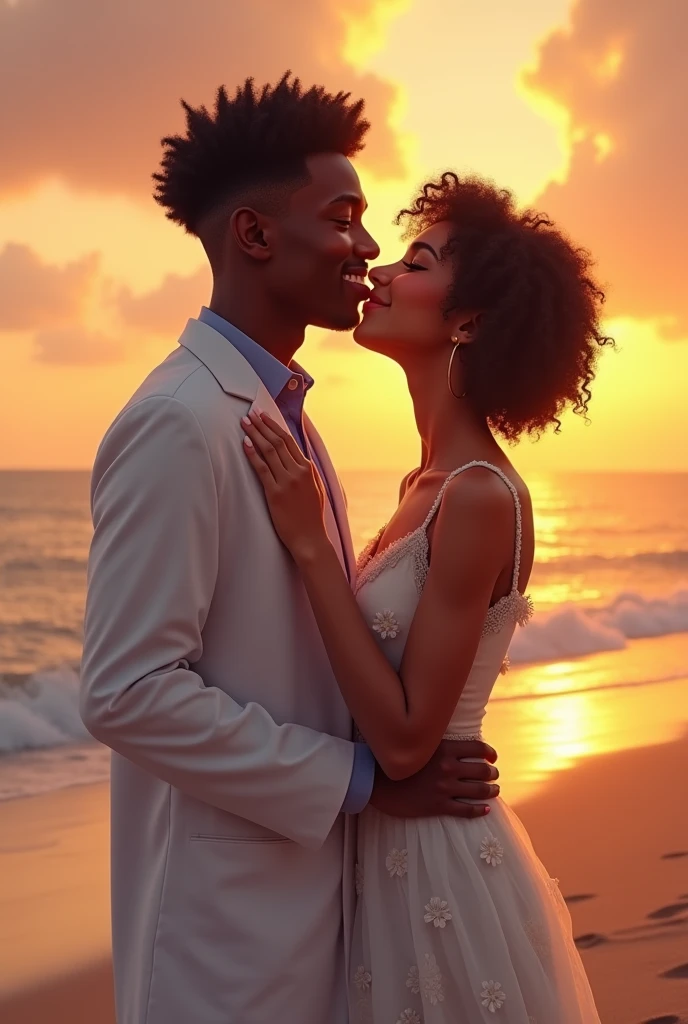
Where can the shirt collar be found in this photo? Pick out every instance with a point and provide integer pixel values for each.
(274, 374)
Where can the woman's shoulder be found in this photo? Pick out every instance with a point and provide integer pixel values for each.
(486, 495)
(406, 482)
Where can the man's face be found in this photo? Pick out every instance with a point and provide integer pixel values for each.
(320, 245)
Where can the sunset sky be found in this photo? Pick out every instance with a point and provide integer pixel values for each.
(579, 107)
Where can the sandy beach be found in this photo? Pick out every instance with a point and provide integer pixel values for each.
(613, 830)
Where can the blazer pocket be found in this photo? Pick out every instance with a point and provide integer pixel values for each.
(198, 837)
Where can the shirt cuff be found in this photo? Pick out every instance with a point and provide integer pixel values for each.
(361, 782)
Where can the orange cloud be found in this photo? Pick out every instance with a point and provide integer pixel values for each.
(34, 294)
(90, 88)
(51, 302)
(620, 72)
(78, 346)
(166, 309)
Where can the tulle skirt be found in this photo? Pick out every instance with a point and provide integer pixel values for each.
(458, 922)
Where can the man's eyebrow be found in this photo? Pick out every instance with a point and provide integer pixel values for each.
(424, 245)
(349, 197)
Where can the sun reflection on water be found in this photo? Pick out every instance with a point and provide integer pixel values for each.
(583, 708)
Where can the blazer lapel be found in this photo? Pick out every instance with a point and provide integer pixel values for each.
(338, 499)
(238, 378)
(227, 365)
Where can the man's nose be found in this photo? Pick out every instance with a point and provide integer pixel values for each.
(366, 247)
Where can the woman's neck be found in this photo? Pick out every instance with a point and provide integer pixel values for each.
(451, 433)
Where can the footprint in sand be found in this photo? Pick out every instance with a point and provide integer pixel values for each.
(674, 855)
(675, 972)
(590, 940)
(669, 911)
(580, 897)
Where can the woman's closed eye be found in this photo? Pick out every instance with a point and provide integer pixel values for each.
(414, 266)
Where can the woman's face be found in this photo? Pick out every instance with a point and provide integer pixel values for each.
(404, 310)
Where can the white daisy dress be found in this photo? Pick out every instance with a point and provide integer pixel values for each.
(457, 921)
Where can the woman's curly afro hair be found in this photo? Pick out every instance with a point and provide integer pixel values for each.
(538, 338)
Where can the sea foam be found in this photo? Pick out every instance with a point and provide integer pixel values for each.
(44, 712)
(571, 631)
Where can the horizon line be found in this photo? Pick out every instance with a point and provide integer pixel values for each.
(654, 471)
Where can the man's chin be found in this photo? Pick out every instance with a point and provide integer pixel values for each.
(344, 321)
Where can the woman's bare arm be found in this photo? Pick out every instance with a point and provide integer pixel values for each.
(402, 717)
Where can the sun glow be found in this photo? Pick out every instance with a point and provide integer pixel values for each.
(462, 97)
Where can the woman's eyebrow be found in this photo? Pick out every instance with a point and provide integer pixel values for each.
(424, 245)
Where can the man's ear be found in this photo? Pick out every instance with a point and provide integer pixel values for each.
(251, 232)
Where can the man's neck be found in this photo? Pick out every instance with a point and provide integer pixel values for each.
(255, 316)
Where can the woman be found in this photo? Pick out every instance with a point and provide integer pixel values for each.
(494, 317)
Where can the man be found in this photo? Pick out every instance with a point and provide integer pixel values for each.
(234, 776)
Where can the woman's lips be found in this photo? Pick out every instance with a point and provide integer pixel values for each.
(374, 303)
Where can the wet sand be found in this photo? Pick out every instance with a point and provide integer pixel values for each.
(613, 829)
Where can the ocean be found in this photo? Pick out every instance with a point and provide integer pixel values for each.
(610, 586)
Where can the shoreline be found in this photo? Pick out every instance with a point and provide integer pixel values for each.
(610, 828)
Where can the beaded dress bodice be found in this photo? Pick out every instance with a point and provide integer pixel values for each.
(389, 585)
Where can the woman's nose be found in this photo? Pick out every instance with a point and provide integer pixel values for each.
(380, 275)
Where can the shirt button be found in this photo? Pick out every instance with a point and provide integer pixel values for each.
(293, 384)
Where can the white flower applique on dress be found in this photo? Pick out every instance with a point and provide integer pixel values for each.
(386, 624)
(492, 996)
(396, 863)
(430, 980)
(437, 912)
(491, 850)
(413, 980)
(362, 979)
(409, 1017)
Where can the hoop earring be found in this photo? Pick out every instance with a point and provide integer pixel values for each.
(457, 345)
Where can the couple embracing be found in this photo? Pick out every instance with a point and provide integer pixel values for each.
(306, 827)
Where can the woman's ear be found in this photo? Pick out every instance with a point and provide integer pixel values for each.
(466, 329)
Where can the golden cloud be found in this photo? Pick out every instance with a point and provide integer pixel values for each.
(78, 346)
(620, 72)
(34, 294)
(166, 309)
(90, 88)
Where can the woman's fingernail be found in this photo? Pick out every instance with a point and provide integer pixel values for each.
(487, 810)
(246, 421)
(248, 442)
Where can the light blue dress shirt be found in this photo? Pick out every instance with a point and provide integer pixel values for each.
(289, 399)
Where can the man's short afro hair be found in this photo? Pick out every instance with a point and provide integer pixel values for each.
(257, 138)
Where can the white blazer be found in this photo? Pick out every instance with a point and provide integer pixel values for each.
(204, 671)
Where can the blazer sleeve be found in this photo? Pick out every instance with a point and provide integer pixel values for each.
(152, 570)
